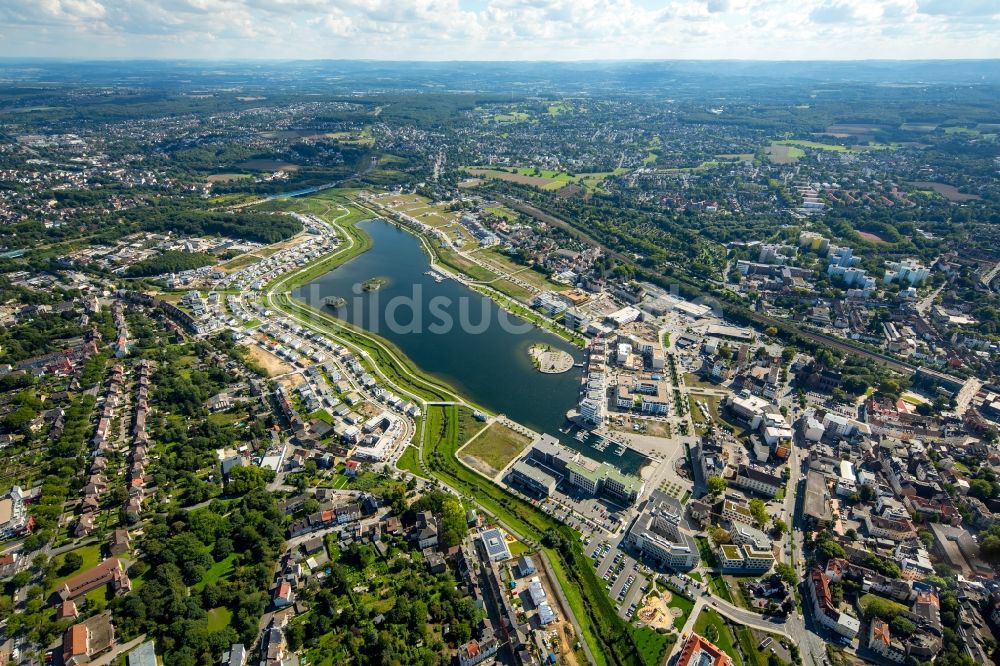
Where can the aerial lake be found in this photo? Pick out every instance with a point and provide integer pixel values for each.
(483, 353)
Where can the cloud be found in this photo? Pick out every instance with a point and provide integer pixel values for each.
(959, 7)
(501, 29)
(834, 12)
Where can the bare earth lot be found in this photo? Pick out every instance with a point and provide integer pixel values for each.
(271, 363)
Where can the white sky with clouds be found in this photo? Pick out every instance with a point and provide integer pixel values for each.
(501, 29)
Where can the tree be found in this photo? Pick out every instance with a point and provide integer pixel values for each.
(717, 485)
(759, 511)
(989, 548)
(718, 535)
(884, 609)
(453, 523)
(981, 488)
(787, 573)
(829, 549)
(902, 626)
(780, 526)
(21, 578)
(71, 562)
(244, 479)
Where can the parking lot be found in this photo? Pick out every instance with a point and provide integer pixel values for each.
(625, 579)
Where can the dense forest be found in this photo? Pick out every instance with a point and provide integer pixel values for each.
(257, 227)
(171, 261)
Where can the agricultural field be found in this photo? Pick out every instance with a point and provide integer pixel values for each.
(225, 177)
(545, 179)
(949, 192)
(784, 154)
(832, 147)
(267, 165)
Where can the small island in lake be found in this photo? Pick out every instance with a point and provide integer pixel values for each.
(550, 361)
(374, 284)
(335, 302)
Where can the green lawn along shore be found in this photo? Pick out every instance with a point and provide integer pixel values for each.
(519, 309)
(390, 361)
(502, 291)
(328, 206)
(612, 641)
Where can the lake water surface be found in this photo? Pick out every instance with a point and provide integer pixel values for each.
(483, 353)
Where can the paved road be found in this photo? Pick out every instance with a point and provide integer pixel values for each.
(739, 615)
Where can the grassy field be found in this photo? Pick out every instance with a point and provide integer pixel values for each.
(513, 290)
(720, 587)
(504, 212)
(361, 137)
(497, 446)
(685, 605)
(454, 260)
(505, 264)
(512, 117)
(691, 379)
(709, 618)
(91, 555)
(518, 548)
(218, 571)
(219, 618)
(410, 461)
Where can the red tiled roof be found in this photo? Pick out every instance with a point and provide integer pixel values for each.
(75, 641)
(696, 643)
(880, 631)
